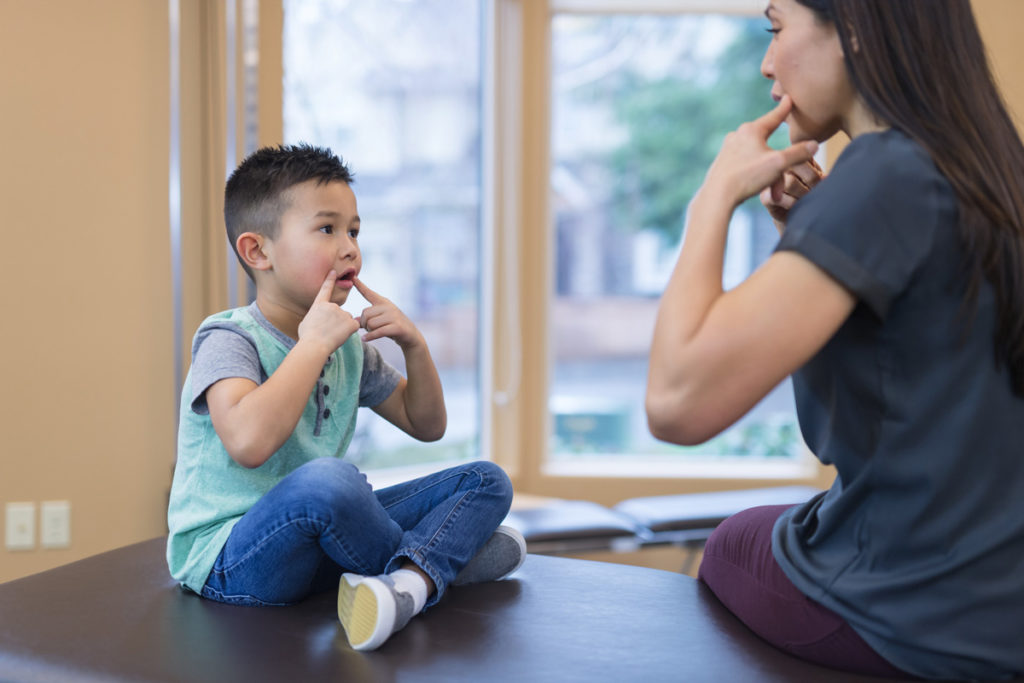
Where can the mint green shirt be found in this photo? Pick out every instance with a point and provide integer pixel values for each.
(210, 491)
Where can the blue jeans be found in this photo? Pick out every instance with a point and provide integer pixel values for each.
(324, 519)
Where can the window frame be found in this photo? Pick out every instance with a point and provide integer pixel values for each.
(518, 261)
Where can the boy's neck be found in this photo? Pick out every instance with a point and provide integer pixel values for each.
(281, 317)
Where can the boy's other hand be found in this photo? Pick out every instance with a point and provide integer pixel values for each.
(327, 322)
(383, 319)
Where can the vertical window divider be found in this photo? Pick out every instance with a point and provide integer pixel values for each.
(174, 193)
(500, 313)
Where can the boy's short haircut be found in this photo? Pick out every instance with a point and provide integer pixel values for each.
(255, 196)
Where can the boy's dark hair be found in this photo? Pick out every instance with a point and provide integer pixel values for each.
(255, 196)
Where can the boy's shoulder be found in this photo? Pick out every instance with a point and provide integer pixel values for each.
(245, 320)
(240, 316)
(236, 321)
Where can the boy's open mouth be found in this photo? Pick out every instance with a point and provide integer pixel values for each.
(346, 279)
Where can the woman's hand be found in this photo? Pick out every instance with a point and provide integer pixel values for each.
(746, 165)
(780, 197)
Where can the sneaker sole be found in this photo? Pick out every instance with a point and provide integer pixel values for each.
(365, 611)
(520, 541)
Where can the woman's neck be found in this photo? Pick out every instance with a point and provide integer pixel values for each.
(862, 120)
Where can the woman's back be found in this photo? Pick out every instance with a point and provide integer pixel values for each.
(912, 545)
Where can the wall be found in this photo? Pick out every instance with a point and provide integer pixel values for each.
(1000, 24)
(87, 411)
(87, 408)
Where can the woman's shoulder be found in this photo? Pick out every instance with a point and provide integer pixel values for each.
(884, 172)
(887, 157)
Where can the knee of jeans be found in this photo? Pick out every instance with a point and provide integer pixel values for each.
(496, 480)
(331, 480)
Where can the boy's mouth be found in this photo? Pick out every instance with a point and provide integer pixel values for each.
(347, 279)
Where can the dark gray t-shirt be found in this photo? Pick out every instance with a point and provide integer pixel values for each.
(919, 544)
(220, 353)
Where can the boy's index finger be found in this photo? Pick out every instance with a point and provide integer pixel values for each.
(368, 294)
(327, 288)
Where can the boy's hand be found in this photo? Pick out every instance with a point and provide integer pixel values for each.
(383, 319)
(327, 322)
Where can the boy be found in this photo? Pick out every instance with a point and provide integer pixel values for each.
(263, 510)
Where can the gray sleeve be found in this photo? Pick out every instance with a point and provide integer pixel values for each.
(870, 224)
(379, 378)
(219, 353)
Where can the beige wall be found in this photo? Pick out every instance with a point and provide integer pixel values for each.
(87, 411)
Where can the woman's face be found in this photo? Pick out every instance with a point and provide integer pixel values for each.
(805, 61)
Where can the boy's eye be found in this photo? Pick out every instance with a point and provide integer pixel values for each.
(773, 30)
(353, 233)
(327, 229)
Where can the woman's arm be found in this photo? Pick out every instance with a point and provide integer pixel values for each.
(715, 354)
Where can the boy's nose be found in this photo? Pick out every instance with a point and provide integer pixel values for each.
(347, 247)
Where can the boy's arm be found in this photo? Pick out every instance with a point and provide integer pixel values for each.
(254, 420)
(416, 406)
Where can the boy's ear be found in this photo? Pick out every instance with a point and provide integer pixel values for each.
(250, 248)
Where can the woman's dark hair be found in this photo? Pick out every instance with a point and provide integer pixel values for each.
(921, 67)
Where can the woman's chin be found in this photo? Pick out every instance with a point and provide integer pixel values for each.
(797, 134)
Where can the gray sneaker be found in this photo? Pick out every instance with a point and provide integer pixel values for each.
(502, 554)
(370, 609)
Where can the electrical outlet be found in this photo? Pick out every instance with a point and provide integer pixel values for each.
(20, 520)
(55, 524)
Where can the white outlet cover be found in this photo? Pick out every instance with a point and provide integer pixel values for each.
(55, 524)
(20, 522)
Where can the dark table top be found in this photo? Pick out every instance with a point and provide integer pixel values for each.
(119, 616)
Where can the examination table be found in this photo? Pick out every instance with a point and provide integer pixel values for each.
(118, 616)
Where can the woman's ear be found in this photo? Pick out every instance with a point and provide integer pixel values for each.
(251, 249)
(854, 45)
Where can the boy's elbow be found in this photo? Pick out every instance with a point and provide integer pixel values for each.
(434, 432)
(249, 455)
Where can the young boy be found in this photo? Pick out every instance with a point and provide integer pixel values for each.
(263, 509)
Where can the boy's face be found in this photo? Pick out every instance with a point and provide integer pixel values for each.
(317, 233)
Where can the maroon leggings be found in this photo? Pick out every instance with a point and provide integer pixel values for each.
(739, 567)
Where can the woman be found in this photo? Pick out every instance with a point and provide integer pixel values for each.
(895, 298)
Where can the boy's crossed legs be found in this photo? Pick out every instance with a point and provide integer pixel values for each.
(324, 518)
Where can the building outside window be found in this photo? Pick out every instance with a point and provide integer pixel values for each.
(640, 105)
(394, 88)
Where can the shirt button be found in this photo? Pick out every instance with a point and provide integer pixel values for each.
(327, 413)
(321, 373)
(327, 390)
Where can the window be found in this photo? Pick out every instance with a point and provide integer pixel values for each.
(394, 88)
(584, 148)
(639, 107)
